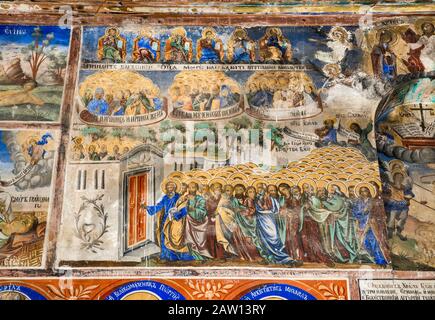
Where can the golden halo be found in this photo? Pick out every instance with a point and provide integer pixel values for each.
(309, 170)
(311, 182)
(247, 172)
(193, 179)
(356, 177)
(173, 180)
(302, 165)
(325, 166)
(321, 184)
(255, 183)
(342, 176)
(270, 29)
(314, 176)
(294, 169)
(177, 175)
(241, 182)
(340, 184)
(277, 175)
(292, 176)
(377, 181)
(327, 177)
(366, 185)
(240, 32)
(206, 30)
(334, 171)
(178, 31)
(395, 162)
(218, 180)
(223, 174)
(238, 176)
(368, 173)
(241, 166)
(322, 171)
(32, 139)
(341, 165)
(202, 175)
(112, 28)
(229, 169)
(271, 181)
(349, 171)
(419, 23)
(251, 165)
(359, 165)
(189, 174)
(286, 181)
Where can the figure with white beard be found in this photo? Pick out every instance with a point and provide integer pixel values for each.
(338, 43)
(428, 40)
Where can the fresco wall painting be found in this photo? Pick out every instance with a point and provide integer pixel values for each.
(219, 148)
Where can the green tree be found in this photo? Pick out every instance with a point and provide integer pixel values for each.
(58, 64)
(38, 50)
(95, 133)
(147, 135)
(276, 136)
(122, 133)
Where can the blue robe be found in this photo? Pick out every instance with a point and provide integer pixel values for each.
(98, 107)
(272, 248)
(146, 43)
(262, 98)
(241, 53)
(167, 203)
(361, 213)
(209, 54)
(330, 137)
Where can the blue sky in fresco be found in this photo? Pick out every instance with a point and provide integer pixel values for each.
(22, 35)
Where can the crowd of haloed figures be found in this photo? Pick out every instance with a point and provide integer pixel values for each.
(271, 223)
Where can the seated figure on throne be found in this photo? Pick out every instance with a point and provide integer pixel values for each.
(178, 47)
(112, 46)
(241, 48)
(274, 48)
(146, 48)
(210, 48)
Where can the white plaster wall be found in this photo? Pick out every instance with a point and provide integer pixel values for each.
(69, 245)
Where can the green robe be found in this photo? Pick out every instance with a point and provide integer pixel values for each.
(341, 228)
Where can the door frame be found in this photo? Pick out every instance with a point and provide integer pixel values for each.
(150, 225)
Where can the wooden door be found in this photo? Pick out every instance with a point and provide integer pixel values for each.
(137, 194)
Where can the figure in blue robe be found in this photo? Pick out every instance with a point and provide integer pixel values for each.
(227, 97)
(166, 204)
(98, 105)
(272, 248)
(273, 41)
(147, 48)
(261, 98)
(208, 51)
(361, 213)
(157, 103)
(241, 52)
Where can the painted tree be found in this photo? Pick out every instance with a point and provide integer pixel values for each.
(147, 135)
(122, 133)
(58, 65)
(95, 133)
(239, 123)
(172, 136)
(276, 135)
(38, 50)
